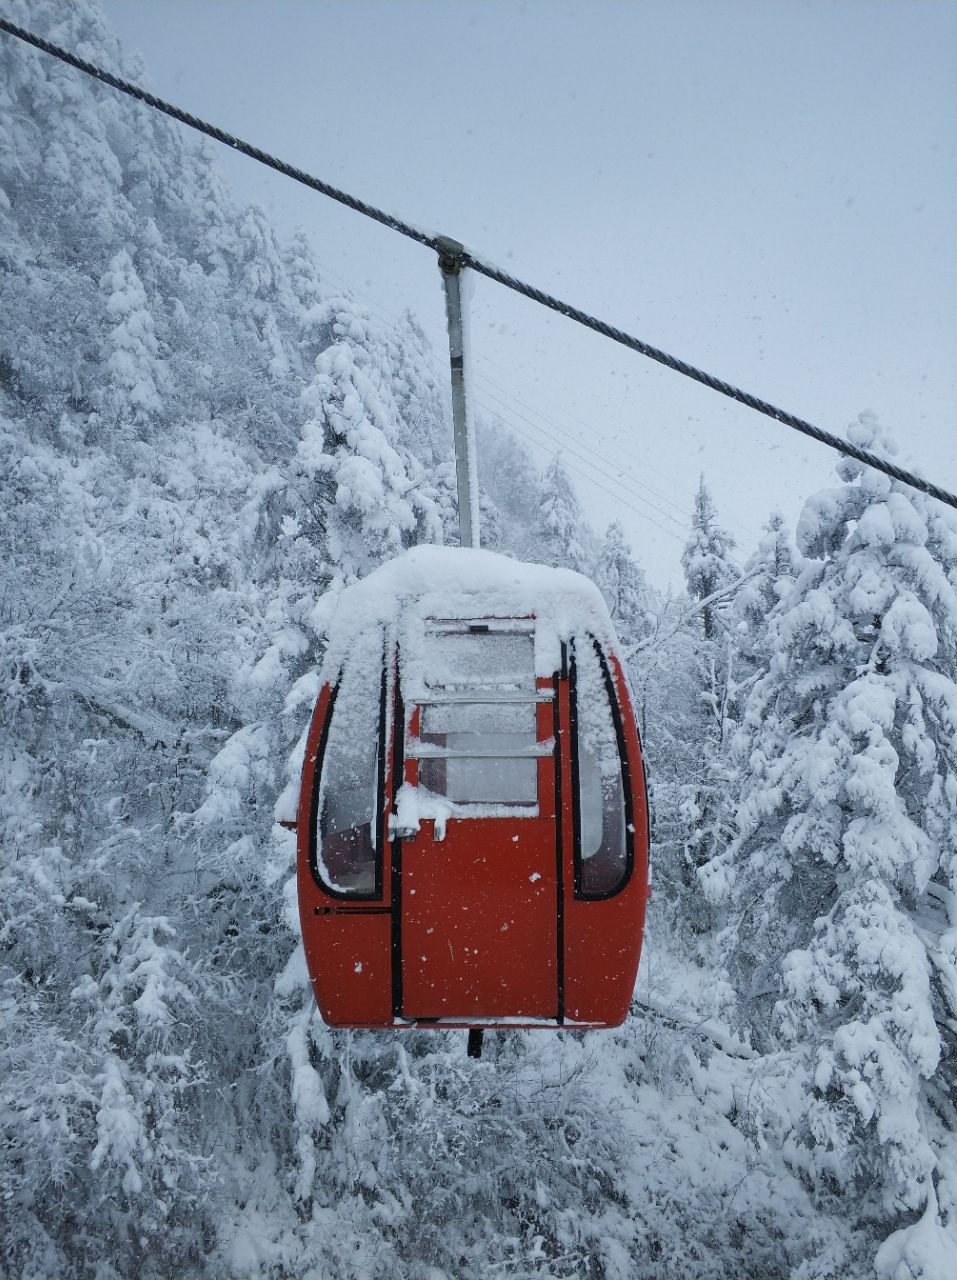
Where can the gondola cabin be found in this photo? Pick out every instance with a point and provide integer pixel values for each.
(472, 822)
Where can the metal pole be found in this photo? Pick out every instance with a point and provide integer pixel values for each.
(466, 477)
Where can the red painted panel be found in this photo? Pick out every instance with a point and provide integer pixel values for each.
(603, 938)
(480, 909)
(349, 959)
(479, 913)
(603, 944)
(347, 945)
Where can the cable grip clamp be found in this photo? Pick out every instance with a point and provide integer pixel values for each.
(451, 252)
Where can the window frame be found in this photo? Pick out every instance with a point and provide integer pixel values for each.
(377, 826)
(579, 891)
(468, 694)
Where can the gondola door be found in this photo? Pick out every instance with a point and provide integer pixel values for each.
(480, 880)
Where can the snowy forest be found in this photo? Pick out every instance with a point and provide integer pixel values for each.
(204, 441)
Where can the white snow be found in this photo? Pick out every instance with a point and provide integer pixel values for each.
(430, 582)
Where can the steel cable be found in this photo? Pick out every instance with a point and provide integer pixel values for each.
(220, 135)
(490, 271)
(707, 379)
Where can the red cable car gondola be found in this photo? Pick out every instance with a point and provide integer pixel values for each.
(473, 822)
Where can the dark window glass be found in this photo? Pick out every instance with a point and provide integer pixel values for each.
(602, 849)
(346, 853)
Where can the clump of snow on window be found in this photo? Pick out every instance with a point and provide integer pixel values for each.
(415, 805)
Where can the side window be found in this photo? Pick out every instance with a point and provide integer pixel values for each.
(603, 852)
(347, 813)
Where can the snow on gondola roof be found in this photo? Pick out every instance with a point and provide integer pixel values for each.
(462, 583)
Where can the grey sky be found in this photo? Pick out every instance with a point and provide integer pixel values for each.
(765, 189)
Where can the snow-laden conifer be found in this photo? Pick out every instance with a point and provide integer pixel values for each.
(508, 477)
(705, 793)
(622, 582)
(841, 869)
(706, 556)
(559, 527)
(260, 278)
(374, 492)
(768, 573)
(132, 370)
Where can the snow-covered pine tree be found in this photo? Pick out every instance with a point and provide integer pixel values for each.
(706, 557)
(841, 871)
(768, 574)
(131, 393)
(128, 606)
(420, 390)
(508, 474)
(621, 581)
(705, 804)
(559, 529)
(261, 279)
(374, 499)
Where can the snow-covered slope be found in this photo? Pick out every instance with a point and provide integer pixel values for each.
(200, 439)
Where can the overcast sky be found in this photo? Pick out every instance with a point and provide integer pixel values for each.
(765, 189)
